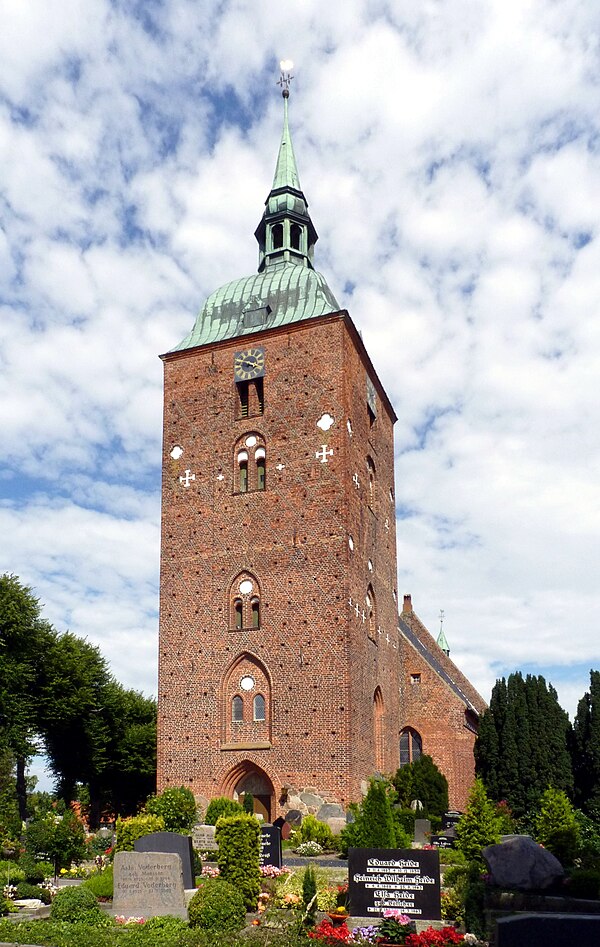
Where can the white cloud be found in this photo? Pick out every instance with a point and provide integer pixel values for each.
(448, 152)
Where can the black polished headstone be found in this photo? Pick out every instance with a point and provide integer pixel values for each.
(270, 845)
(408, 880)
(449, 819)
(172, 843)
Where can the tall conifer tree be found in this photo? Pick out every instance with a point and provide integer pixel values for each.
(586, 748)
(523, 743)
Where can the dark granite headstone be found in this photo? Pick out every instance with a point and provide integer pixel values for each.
(449, 819)
(548, 930)
(270, 845)
(174, 844)
(409, 880)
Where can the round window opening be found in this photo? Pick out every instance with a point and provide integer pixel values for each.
(247, 683)
(246, 587)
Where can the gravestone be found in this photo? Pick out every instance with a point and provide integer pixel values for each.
(442, 841)
(409, 881)
(203, 838)
(449, 819)
(147, 884)
(523, 864)
(548, 930)
(270, 845)
(174, 844)
(422, 831)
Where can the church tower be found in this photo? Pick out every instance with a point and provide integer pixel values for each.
(279, 642)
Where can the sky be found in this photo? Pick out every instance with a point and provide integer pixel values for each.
(449, 151)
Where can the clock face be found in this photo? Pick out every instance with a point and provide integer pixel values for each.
(249, 364)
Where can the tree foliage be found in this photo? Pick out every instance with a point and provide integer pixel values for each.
(479, 826)
(57, 690)
(522, 745)
(586, 749)
(556, 826)
(422, 780)
(177, 807)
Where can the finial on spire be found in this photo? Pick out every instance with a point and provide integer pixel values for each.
(286, 65)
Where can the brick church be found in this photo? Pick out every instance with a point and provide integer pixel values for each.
(287, 666)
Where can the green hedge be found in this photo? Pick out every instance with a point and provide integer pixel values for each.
(238, 838)
(129, 830)
(78, 904)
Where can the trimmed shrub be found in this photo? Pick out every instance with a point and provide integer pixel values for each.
(101, 884)
(312, 830)
(128, 830)
(238, 838)
(248, 803)
(77, 904)
(217, 907)
(221, 806)
(26, 890)
(177, 807)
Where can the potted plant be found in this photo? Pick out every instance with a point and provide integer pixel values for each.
(395, 927)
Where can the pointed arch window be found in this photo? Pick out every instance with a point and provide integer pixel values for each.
(237, 709)
(259, 707)
(411, 746)
(378, 734)
(255, 612)
(238, 613)
(371, 478)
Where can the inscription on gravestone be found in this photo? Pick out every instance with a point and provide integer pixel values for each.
(203, 838)
(147, 884)
(270, 845)
(409, 881)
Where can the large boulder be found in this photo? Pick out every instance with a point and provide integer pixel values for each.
(521, 863)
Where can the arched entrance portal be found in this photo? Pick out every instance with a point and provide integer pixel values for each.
(248, 777)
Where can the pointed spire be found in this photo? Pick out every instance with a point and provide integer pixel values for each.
(286, 172)
(286, 233)
(441, 638)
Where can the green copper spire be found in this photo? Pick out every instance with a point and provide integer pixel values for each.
(286, 172)
(441, 638)
(286, 233)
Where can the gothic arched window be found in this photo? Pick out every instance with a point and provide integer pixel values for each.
(259, 707)
(237, 709)
(250, 463)
(411, 746)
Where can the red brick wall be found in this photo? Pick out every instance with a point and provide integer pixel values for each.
(321, 666)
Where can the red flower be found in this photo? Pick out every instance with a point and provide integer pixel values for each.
(328, 934)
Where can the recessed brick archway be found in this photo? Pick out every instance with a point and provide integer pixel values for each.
(245, 777)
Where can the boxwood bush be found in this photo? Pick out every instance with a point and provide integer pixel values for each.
(78, 904)
(129, 830)
(238, 838)
(221, 806)
(217, 906)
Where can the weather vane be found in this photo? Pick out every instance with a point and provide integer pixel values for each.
(286, 65)
(441, 619)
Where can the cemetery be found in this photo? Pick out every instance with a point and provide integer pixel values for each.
(170, 879)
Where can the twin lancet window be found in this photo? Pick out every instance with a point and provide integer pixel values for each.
(251, 464)
(258, 709)
(244, 603)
